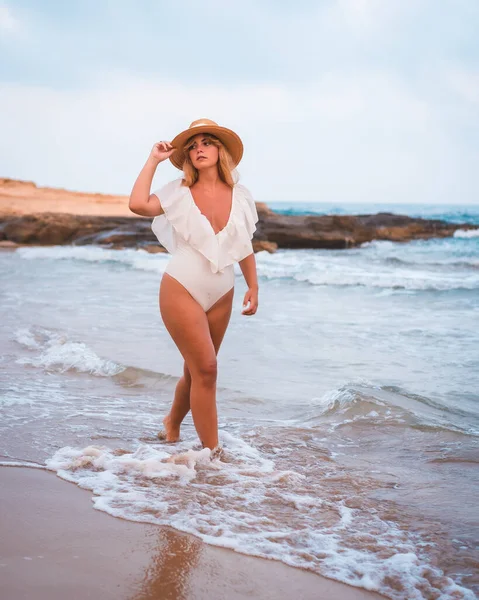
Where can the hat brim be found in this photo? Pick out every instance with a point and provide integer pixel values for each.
(230, 139)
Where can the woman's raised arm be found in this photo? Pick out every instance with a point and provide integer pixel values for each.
(141, 201)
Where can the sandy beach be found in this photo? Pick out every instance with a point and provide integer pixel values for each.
(56, 546)
(25, 197)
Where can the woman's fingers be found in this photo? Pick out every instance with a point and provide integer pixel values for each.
(253, 306)
(165, 146)
(161, 151)
(168, 151)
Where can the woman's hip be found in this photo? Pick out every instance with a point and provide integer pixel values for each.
(205, 286)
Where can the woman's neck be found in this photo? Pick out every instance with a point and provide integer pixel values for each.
(208, 178)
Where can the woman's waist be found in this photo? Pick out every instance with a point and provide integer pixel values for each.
(188, 257)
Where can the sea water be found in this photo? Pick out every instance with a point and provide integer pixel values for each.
(348, 405)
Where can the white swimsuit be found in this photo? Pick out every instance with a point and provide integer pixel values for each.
(203, 261)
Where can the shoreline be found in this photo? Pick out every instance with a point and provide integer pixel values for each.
(55, 542)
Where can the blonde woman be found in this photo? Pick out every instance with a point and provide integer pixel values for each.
(206, 221)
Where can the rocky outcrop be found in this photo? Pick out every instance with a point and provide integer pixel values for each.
(50, 216)
(58, 228)
(331, 231)
(259, 245)
(274, 231)
(113, 232)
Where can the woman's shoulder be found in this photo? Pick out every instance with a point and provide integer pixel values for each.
(247, 201)
(171, 192)
(242, 189)
(171, 186)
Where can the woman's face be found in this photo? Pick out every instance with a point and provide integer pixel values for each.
(203, 153)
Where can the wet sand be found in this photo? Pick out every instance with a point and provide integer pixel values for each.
(55, 545)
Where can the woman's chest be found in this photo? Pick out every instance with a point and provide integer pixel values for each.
(215, 207)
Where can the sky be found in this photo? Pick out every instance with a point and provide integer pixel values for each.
(335, 100)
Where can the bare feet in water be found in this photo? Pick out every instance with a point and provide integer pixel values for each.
(218, 453)
(170, 433)
(190, 457)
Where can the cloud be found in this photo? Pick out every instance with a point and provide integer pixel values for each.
(466, 83)
(216, 41)
(8, 23)
(367, 137)
(339, 100)
(368, 16)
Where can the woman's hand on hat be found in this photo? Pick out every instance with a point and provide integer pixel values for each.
(161, 151)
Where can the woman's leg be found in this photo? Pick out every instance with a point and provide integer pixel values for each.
(180, 407)
(198, 336)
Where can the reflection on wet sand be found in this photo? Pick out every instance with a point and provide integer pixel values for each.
(168, 575)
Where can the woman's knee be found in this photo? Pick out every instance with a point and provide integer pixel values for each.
(205, 371)
(186, 374)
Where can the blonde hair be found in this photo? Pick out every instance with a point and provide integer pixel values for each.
(224, 164)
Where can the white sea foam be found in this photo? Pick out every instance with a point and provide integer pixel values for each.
(12, 399)
(24, 463)
(136, 258)
(381, 245)
(353, 269)
(345, 268)
(246, 503)
(56, 351)
(361, 401)
(26, 337)
(466, 233)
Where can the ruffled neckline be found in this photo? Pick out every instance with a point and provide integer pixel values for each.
(183, 219)
(233, 201)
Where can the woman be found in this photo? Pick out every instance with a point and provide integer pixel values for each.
(206, 220)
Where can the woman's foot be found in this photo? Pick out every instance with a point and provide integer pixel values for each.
(170, 433)
(218, 453)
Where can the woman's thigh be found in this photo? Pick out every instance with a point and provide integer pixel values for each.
(187, 323)
(219, 317)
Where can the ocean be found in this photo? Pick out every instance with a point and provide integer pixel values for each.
(348, 405)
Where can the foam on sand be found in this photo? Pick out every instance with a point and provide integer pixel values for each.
(248, 504)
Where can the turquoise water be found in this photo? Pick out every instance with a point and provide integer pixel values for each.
(454, 213)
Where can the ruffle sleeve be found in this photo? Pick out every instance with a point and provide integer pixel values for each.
(182, 218)
(235, 240)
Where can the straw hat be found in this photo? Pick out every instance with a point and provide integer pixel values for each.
(229, 138)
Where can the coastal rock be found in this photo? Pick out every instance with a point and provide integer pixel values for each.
(263, 209)
(50, 216)
(273, 230)
(259, 245)
(334, 232)
(58, 228)
(154, 249)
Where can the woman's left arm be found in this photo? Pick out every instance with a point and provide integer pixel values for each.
(248, 268)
